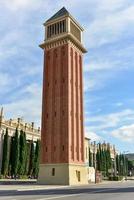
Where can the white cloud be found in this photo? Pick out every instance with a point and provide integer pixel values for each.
(110, 27)
(5, 83)
(111, 5)
(90, 84)
(124, 133)
(28, 107)
(118, 104)
(93, 136)
(15, 5)
(112, 120)
(4, 79)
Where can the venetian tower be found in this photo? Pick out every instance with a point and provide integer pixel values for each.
(62, 136)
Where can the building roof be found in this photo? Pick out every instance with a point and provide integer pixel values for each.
(63, 11)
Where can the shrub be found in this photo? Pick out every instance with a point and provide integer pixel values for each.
(115, 178)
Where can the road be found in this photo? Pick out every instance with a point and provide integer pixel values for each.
(113, 191)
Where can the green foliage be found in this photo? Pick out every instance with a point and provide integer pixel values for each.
(15, 154)
(122, 165)
(103, 159)
(98, 160)
(2, 176)
(116, 178)
(130, 164)
(11, 157)
(22, 153)
(32, 157)
(36, 159)
(5, 158)
(24, 157)
(90, 159)
(23, 177)
(27, 161)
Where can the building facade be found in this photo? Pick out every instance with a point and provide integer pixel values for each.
(62, 136)
(94, 147)
(32, 134)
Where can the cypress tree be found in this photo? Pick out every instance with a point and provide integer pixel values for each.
(36, 159)
(27, 160)
(5, 158)
(100, 157)
(15, 159)
(31, 163)
(108, 161)
(117, 163)
(120, 165)
(22, 153)
(90, 158)
(104, 161)
(98, 160)
(11, 158)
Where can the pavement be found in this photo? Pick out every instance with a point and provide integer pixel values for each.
(104, 191)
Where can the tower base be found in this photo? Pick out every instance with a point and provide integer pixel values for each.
(63, 174)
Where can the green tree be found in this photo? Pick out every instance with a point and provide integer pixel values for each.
(11, 157)
(90, 158)
(130, 165)
(27, 161)
(98, 160)
(5, 158)
(103, 162)
(36, 159)
(32, 157)
(108, 161)
(15, 153)
(22, 153)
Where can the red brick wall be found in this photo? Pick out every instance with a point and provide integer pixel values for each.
(62, 109)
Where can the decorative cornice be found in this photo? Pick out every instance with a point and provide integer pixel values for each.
(65, 38)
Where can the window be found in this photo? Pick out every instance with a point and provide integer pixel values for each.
(78, 175)
(52, 29)
(53, 171)
(64, 26)
(55, 29)
(58, 27)
(63, 147)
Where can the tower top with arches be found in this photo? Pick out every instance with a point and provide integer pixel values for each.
(62, 25)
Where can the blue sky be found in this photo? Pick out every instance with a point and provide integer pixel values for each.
(108, 65)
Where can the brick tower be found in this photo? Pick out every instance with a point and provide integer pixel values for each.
(62, 137)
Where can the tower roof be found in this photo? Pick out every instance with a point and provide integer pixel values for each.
(63, 11)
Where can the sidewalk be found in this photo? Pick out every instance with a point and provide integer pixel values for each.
(27, 185)
(17, 181)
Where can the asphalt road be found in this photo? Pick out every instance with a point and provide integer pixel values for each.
(113, 191)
